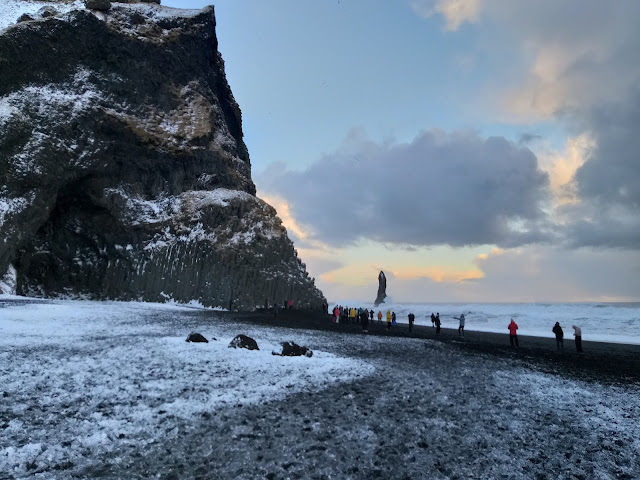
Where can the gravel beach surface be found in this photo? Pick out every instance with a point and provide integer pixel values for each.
(415, 407)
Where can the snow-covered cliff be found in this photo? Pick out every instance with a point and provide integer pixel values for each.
(123, 172)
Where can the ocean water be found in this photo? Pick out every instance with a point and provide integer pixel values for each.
(602, 322)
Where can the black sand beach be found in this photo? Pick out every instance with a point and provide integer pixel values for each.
(600, 361)
(445, 408)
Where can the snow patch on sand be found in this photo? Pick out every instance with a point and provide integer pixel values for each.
(93, 377)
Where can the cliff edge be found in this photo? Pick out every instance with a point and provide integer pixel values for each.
(123, 170)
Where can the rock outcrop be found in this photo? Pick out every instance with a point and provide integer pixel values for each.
(382, 289)
(123, 170)
(242, 341)
(292, 349)
(197, 338)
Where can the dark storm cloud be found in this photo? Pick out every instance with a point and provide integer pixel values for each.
(611, 176)
(528, 138)
(456, 189)
(608, 183)
(597, 55)
(616, 161)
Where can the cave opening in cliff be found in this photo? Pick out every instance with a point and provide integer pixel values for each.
(72, 248)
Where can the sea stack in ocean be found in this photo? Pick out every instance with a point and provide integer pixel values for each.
(382, 289)
(124, 174)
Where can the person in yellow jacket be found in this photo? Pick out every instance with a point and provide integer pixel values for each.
(352, 314)
(388, 319)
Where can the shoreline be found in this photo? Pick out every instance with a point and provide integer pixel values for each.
(364, 407)
(600, 361)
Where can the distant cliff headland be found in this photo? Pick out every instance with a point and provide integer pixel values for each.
(123, 170)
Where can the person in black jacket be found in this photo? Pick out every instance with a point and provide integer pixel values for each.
(412, 318)
(364, 319)
(557, 329)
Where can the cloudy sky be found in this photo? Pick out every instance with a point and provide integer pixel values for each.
(474, 150)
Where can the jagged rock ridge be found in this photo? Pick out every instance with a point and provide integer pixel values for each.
(123, 172)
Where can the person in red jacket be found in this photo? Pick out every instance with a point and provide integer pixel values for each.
(513, 335)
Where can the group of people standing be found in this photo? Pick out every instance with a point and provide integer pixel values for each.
(557, 330)
(353, 315)
(286, 304)
(577, 333)
(363, 316)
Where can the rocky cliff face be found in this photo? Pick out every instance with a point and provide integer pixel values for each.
(123, 173)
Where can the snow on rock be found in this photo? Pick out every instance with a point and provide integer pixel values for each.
(8, 282)
(10, 10)
(58, 103)
(11, 206)
(157, 12)
(188, 208)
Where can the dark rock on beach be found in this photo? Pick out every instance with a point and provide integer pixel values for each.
(123, 166)
(242, 341)
(197, 337)
(292, 349)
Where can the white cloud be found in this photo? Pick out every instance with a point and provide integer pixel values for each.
(455, 12)
(562, 165)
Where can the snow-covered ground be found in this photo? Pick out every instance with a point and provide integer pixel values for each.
(112, 390)
(78, 376)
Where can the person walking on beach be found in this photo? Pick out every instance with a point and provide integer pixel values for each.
(412, 318)
(438, 324)
(336, 315)
(578, 334)
(557, 329)
(433, 320)
(364, 319)
(513, 335)
(379, 316)
(393, 318)
(388, 319)
(371, 314)
(461, 325)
